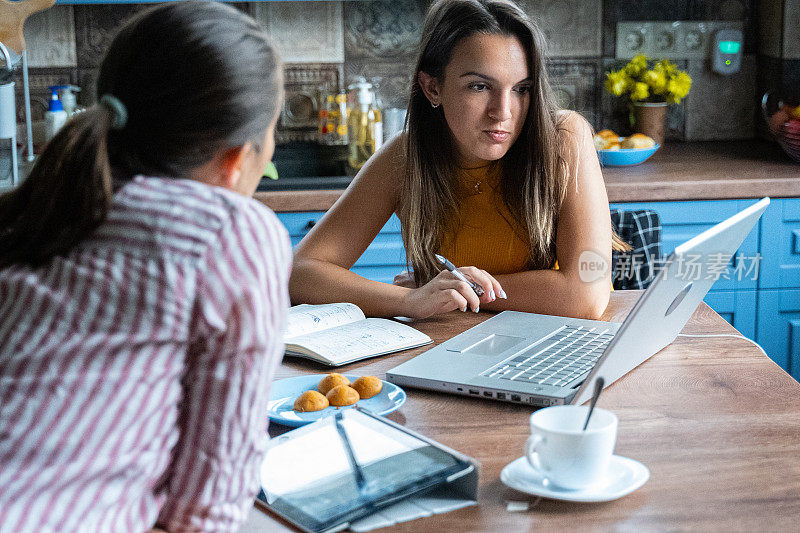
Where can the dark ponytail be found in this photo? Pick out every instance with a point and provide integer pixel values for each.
(194, 77)
(65, 197)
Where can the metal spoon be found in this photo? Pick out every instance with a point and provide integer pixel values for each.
(598, 388)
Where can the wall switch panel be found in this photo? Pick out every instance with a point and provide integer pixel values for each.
(669, 40)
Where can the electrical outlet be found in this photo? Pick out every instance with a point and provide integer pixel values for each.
(669, 40)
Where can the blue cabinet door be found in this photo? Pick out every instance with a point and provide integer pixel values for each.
(680, 221)
(737, 307)
(779, 327)
(780, 241)
(298, 224)
(383, 259)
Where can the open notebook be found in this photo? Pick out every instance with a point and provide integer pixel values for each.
(337, 334)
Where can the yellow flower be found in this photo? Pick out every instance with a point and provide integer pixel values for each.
(636, 66)
(617, 82)
(662, 82)
(682, 83)
(666, 67)
(678, 87)
(656, 80)
(640, 91)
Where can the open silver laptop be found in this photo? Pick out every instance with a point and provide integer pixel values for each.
(550, 360)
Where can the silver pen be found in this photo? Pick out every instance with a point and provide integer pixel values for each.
(449, 266)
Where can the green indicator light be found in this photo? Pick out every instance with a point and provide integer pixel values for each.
(727, 61)
(729, 47)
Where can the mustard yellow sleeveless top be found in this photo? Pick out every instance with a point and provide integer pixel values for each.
(488, 237)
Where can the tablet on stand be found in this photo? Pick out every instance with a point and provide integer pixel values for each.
(332, 474)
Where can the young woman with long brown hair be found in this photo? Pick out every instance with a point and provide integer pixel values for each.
(143, 293)
(489, 173)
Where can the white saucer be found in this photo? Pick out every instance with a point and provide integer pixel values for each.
(624, 476)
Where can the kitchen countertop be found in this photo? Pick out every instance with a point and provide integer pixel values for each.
(678, 171)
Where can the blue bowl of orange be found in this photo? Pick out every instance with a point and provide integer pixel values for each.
(615, 151)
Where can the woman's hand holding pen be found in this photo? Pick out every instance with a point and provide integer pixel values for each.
(446, 292)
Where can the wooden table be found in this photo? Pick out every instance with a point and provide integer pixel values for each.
(715, 421)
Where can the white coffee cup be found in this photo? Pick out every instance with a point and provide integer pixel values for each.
(563, 453)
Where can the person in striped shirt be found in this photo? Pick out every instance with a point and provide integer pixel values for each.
(143, 292)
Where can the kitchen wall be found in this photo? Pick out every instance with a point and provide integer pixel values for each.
(337, 41)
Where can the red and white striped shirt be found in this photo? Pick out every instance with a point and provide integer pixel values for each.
(134, 371)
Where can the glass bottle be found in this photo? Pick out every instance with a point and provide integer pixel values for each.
(322, 128)
(340, 122)
(363, 135)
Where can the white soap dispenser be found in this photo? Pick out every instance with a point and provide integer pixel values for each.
(55, 117)
(68, 99)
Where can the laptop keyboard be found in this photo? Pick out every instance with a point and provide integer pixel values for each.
(556, 360)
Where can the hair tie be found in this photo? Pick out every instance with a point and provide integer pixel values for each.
(118, 110)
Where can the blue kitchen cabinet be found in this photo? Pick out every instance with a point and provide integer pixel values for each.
(737, 307)
(765, 304)
(383, 259)
(778, 323)
(780, 232)
(680, 221)
(779, 327)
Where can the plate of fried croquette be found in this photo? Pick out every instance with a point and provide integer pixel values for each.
(301, 400)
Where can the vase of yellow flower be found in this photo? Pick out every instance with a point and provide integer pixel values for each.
(649, 91)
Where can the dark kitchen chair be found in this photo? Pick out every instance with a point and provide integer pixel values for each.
(636, 268)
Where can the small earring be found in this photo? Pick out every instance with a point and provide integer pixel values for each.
(434, 105)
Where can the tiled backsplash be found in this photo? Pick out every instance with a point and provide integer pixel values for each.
(378, 39)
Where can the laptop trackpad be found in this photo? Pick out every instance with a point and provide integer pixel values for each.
(491, 344)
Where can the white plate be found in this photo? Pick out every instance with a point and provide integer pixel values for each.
(285, 391)
(624, 476)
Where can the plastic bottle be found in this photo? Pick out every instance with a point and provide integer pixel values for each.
(55, 116)
(362, 132)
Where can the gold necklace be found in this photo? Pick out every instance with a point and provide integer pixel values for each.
(476, 187)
